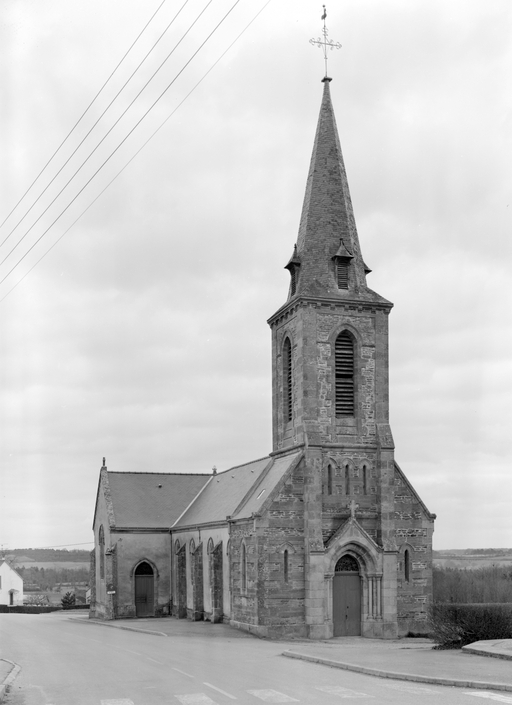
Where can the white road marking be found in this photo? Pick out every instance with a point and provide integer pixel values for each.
(154, 659)
(116, 702)
(411, 688)
(228, 695)
(491, 696)
(183, 672)
(273, 696)
(342, 692)
(195, 699)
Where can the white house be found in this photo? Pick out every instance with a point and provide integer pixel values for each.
(11, 585)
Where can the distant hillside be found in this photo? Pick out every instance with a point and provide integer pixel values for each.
(49, 555)
(472, 558)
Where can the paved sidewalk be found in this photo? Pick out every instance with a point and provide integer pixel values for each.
(8, 672)
(403, 659)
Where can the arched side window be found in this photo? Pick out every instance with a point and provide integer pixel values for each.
(407, 565)
(243, 566)
(329, 479)
(287, 381)
(286, 565)
(365, 479)
(344, 375)
(101, 541)
(347, 478)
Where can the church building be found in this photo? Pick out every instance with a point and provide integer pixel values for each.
(323, 537)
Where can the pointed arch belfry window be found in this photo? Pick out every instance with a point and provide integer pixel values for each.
(287, 381)
(344, 374)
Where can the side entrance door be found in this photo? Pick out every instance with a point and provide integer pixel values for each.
(144, 591)
(346, 595)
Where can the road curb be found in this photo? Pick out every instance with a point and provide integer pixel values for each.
(482, 651)
(480, 685)
(10, 677)
(115, 626)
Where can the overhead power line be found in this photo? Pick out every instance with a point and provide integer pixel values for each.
(82, 115)
(136, 153)
(104, 136)
(118, 146)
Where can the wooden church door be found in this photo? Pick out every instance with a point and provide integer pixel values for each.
(346, 595)
(144, 590)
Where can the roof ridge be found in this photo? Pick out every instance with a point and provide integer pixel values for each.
(243, 465)
(160, 474)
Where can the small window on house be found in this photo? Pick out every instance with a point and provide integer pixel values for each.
(244, 566)
(287, 381)
(407, 565)
(285, 565)
(344, 375)
(342, 274)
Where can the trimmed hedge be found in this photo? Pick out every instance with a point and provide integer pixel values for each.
(30, 609)
(455, 625)
(76, 607)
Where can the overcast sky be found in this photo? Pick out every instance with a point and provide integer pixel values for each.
(142, 335)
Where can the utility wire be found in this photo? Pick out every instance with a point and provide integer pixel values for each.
(81, 117)
(117, 148)
(105, 136)
(137, 152)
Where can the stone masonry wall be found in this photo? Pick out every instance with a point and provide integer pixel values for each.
(413, 531)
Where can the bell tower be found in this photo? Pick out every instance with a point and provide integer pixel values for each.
(330, 398)
(330, 338)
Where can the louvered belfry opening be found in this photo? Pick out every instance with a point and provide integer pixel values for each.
(344, 373)
(293, 273)
(287, 380)
(342, 274)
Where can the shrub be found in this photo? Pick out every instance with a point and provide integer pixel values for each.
(68, 601)
(455, 625)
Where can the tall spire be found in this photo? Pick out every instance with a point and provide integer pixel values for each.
(327, 232)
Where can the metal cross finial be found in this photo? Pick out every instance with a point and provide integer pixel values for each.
(325, 43)
(353, 506)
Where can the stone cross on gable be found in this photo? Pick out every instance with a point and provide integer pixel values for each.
(353, 506)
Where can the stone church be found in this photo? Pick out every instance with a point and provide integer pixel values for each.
(323, 537)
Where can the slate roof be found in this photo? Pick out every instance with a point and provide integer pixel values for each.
(152, 500)
(237, 492)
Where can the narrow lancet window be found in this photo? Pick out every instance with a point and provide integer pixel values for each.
(329, 479)
(244, 567)
(407, 565)
(347, 479)
(285, 565)
(344, 374)
(365, 479)
(101, 541)
(287, 381)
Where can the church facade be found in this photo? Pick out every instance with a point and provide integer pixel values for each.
(323, 537)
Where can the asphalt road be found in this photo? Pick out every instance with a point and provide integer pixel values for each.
(67, 662)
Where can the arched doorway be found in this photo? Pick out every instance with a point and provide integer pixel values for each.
(144, 590)
(346, 597)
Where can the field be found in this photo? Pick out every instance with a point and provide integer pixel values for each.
(56, 565)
